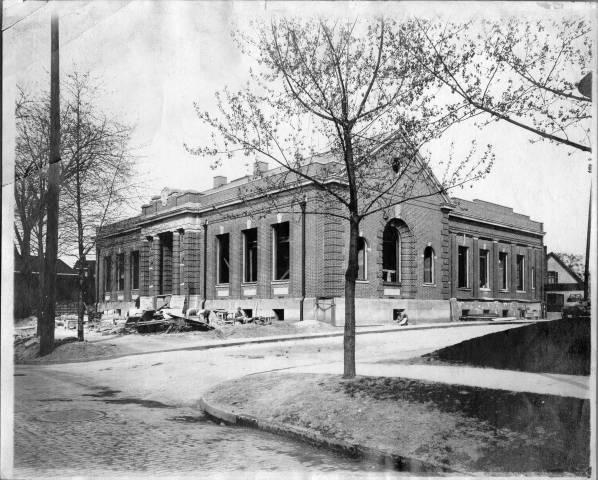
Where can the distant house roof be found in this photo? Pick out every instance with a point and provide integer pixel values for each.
(565, 267)
(61, 267)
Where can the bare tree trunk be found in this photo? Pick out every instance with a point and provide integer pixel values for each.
(350, 277)
(81, 246)
(24, 309)
(46, 344)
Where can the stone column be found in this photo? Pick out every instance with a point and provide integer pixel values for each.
(114, 278)
(176, 261)
(154, 267)
(127, 267)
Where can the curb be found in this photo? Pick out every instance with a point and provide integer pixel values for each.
(282, 338)
(353, 450)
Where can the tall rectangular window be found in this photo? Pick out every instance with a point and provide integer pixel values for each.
(120, 272)
(503, 269)
(223, 258)
(250, 255)
(108, 274)
(484, 269)
(280, 251)
(533, 278)
(463, 267)
(429, 265)
(520, 273)
(134, 267)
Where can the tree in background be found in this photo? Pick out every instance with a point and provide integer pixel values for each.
(97, 168)
(574, 261)
(352, 90)
(517, 71)
(98, 172)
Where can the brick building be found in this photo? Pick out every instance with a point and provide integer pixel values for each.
(413, 257)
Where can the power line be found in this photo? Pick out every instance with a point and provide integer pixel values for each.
(26, 16)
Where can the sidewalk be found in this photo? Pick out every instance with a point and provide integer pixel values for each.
(134, 345)
(576, 386)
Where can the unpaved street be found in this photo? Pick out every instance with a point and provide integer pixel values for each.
(137, 414)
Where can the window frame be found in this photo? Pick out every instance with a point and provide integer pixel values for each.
(533, 277)
(286, 276)
(504, 279)
(246, 251)
(520, 273)
(120, 272)
(219, 240)
(485, 255)
(429, 254)
(108, 273)
(398, 246)
(552, 274)
(134, 277)
(465, 249)
(364, 252)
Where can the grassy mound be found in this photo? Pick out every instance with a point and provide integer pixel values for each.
(562, 346)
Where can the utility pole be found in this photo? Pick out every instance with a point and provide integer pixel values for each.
(46, 344)
(586, 273)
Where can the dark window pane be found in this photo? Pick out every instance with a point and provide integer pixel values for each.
(463, 265)
(223, 258)
(428, 265)
(250, 255)
(361, 259)
(107, 274)
(520, 272)
(503, 269)
(484, 281)
(134, 270)
(391, 245)
(281, 251)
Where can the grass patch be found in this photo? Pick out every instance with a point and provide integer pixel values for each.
(561, 346)
(457, 427)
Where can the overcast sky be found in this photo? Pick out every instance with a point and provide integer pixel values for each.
(156, 58)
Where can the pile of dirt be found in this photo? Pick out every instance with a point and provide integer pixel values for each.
(560, 346)
(252, 330)
(451, 426)
(67, 349)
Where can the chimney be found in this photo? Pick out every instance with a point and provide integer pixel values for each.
(219, 180)
(260, 167)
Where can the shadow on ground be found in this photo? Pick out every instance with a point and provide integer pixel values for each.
(527, 432)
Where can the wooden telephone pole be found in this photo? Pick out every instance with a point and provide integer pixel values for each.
(46, 344)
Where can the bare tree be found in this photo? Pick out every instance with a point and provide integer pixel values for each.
(517, 71)
(96, 175)
(98, 171)
(32, 150)
(347, 89)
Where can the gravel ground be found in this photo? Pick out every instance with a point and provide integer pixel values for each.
(98, 346)
(464, 428)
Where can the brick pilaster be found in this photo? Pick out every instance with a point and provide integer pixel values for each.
(154, 266)
(176, 262)
(144, 273)
(475, 260)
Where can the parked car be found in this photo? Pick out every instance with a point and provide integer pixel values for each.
(576, 307)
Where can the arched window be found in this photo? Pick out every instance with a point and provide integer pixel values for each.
(362, 258)
(428, 265)
(391, 255)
